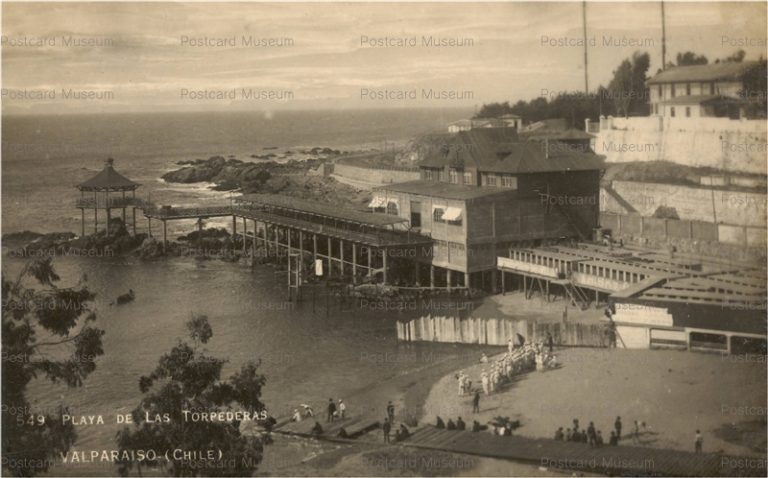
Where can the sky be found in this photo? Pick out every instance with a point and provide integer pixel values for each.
(153, 56)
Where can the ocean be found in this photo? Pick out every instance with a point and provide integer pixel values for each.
(44, 157)
(307, 354)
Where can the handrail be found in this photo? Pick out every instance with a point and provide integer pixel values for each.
(373, 236)
(102, 202)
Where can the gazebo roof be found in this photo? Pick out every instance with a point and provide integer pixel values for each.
(108, 179)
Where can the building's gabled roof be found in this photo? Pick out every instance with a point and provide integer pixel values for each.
(559, 124)
(500, 150)
(727, 71)
(108, 179)
(461, 122)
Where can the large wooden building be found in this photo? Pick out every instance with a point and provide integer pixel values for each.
(486, 190)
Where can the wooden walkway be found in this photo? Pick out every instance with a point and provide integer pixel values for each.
(354, 426)
(580, 457)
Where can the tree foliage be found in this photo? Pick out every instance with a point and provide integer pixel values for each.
(627, 88)
(186, 379)
(755, 89)
(737, 57)
(47, 332)
(626, 94)
(690, 58)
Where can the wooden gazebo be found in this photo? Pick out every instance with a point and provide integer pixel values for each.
(105, 182)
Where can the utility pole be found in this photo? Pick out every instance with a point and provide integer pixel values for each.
(663, 38)
(584, 21)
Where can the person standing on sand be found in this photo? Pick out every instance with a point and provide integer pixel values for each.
(476, 402)
(387, 428)
(550, 342)
(331, 410)
(591, 435)
(698, 442)
(510, 346)
(391, 412)
(342, 409)
(617, 426)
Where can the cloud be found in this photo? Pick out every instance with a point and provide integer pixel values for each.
(137, 49)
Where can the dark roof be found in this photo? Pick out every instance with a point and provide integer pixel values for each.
(330, 211)
(443, 190)
(501, 150)
(713, 72)
(560, 124)
(108, 178)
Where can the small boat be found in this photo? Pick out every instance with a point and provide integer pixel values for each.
(125, 298)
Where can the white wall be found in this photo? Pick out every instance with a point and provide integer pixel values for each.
(694, 204)
(721, 143)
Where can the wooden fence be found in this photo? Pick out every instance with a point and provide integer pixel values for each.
(492, 331)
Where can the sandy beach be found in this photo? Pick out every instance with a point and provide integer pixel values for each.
(673, 392)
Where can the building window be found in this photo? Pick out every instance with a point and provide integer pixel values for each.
(509, 181)
(672, 111)
(392, 208)
(655, 109)
(437, 214)
(490, 179)
(468, 178)
(712, 88)
(415, 214)
(687, 111)
(453, 176)
(429, 175)
(688, 89)
(673, 90)
(661, 92)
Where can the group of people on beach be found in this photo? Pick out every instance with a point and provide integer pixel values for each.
(458, 425)
(594, 437)
(401, 433)
(335, 412)
(517, 359)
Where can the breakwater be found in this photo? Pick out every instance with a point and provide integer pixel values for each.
(495, 331)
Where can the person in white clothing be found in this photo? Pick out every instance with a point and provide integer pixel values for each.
(342, 408)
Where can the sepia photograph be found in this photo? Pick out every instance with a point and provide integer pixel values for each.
(384, 238)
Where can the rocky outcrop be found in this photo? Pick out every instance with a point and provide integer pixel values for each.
(229, 174)
(118, 241)
(294, 178)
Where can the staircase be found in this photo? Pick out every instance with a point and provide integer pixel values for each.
(578, 297)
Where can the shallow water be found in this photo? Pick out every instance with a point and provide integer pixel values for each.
(306, 356)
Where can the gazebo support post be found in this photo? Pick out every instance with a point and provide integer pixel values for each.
(109, 212)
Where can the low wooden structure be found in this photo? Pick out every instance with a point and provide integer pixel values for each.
(493, 331)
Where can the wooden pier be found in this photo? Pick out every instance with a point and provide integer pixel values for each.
(349, 243)
(580, 457)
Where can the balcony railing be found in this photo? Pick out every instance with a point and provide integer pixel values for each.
(101, 202)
